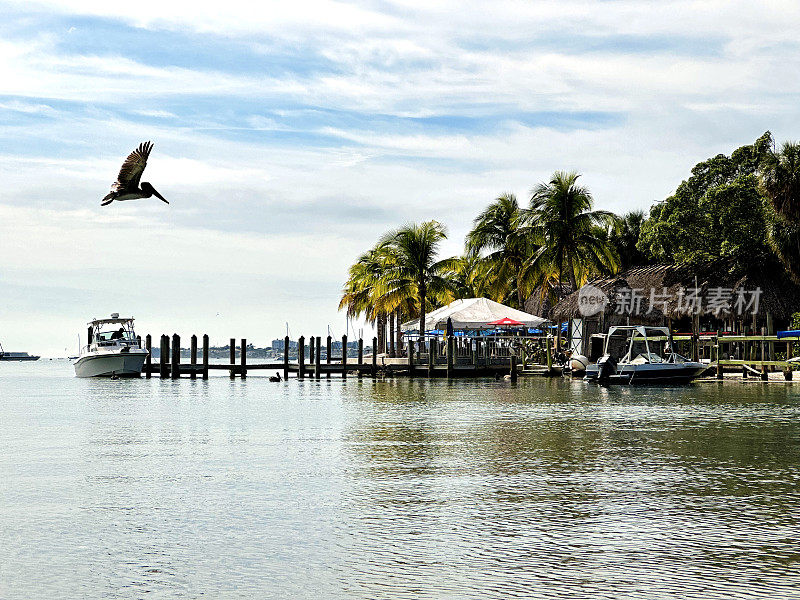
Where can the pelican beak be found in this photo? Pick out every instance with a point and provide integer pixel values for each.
(159, 196)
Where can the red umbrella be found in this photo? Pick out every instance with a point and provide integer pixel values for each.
(507, 321)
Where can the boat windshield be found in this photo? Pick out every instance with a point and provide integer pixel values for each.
(106, 336)
(639, 345)
(117, 333)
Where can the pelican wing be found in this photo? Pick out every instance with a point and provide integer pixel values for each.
(131, 171)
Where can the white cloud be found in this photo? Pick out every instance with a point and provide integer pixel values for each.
(255, 216)
(159, 114)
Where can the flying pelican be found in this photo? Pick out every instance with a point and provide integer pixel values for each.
(126, 187)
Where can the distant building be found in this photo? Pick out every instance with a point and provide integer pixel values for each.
(277, 345)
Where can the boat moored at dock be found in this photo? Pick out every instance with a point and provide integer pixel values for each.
(114, 350)
(642, 354)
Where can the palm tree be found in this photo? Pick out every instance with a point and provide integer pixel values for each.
(469, 277)
(573, 237)
(413, 274)
(780, 180)
(361, 294)
(625, 239)
(501, 230)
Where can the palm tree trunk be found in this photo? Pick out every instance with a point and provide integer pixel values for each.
(381, 327)
(520, 299)
(391, 334)
(560, 295)
(422, 315)
(572, 281)
(398, 340)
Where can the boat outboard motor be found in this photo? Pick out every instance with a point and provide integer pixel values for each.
(606, 367)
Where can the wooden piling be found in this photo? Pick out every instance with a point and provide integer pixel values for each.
(301, 357)
(311, 351)
(513, 367)
(328, 355)
(719, 357)
(286, 357)
(787, 372)
(318, 357)
(450, 357)
(431, 356)
(770, 332)
(411, 358)
(205, 355)
(193, 357)
(243, 358)
(344, 356)
(232, 356)
(162, 359)
(549, 355)
(148, 344)
(176, 356)
(360, 355)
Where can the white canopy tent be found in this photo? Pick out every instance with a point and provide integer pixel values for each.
(472, 313)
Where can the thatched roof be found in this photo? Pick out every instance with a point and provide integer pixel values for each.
(672, 286)
(541, 301)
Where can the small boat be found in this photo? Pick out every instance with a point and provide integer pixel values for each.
(114, 350)
(18, 356)
(641, 354)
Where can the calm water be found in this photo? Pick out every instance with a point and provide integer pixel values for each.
(397, 489)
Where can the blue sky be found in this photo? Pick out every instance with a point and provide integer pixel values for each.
(289, 136)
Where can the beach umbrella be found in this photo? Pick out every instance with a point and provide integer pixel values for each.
(505, 321)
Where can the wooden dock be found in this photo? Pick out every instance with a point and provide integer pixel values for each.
(750, 355)
(446, 357)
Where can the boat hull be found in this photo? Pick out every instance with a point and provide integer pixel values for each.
(655, 374)
(119, 364)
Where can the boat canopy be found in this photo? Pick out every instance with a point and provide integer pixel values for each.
(789, 334)
(641, 330)
(116, 320)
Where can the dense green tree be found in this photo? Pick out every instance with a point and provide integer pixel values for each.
(572, 236)
(718, 213)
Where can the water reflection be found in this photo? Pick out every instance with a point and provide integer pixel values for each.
(572, 491)
(396, 489)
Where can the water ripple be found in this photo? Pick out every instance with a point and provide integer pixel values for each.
(396, 489)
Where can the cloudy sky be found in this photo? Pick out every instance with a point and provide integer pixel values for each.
(289, 135)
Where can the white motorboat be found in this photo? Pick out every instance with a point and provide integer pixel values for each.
(641, 354)
(114, 350)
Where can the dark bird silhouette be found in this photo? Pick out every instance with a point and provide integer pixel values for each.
(127, 187)
(276, 377)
